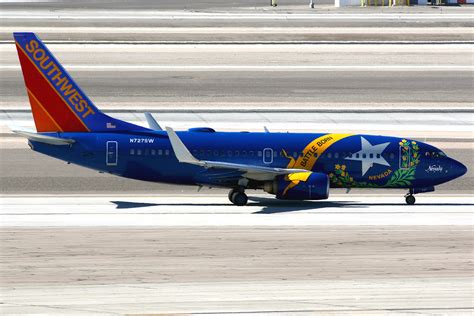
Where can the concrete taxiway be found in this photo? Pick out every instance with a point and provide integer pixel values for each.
(77, 242)
(294, 76)
(175, 254)
(206, 210)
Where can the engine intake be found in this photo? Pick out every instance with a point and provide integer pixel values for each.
(299, 186)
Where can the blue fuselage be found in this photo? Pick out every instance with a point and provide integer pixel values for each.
(350, 161)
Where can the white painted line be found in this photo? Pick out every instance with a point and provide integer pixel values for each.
(167, 15)
(242, 30)
(261, 67)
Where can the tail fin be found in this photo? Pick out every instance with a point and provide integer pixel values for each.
(57, 102)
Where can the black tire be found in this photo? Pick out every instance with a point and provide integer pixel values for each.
(231, 192)
(410, 199)
(239, 198)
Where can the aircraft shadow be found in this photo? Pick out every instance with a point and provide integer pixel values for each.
(269, 205)
(272, 206)
(126, 204)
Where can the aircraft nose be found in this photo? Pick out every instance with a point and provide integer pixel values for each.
(458, 169)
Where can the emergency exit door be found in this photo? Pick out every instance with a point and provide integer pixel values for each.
(267, 156)
(111, 155)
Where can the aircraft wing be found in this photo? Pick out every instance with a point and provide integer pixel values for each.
(250, 171)
(44, 138)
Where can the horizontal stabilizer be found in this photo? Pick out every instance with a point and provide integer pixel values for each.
(45, 139)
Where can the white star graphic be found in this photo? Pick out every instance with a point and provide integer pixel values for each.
(369, 155)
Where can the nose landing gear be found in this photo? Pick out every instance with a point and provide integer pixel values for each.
(410, 199)
(238, 197)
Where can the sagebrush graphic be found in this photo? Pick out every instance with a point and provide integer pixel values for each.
(403, 177)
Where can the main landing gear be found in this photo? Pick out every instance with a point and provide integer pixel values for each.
(238, 197)
(410, 198)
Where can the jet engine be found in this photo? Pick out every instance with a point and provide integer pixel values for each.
(299, 186)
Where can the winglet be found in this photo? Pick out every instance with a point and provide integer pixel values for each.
(152, 123)
(180, 150)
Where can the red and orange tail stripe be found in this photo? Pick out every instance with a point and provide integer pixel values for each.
(50, 111)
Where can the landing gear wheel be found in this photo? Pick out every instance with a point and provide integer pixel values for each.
(410, 199)
(232, 192)
(239, 198)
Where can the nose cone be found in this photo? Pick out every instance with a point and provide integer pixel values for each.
(458, 169)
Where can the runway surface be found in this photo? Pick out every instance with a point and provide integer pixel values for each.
(205, 210)
(174, 254)
(77, 242)
(295, 76)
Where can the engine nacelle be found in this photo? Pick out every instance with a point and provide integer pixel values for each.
(300, 186)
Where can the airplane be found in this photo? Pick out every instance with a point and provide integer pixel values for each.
(291, 166)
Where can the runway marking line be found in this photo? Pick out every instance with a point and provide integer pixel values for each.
(262, 67)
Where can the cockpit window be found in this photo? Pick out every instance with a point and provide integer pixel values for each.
(435, 154)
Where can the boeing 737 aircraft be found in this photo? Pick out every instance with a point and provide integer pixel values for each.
(292, 166)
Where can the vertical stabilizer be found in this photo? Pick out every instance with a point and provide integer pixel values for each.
(57, 102)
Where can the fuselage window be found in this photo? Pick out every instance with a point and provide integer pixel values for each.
(167, 152)
(236, 153)
(364, 155)
(147, 152)
(153, 152)
(208, 152)
(244, 153)
(336, 155)
(201, 153)
(132, 151)
(251, 153)
(329, 155)
(139, 152)
(378, 156)
(216, 153)
(195, 152)
(392, 156)
(160, 152)
(357, 155)
(259, 153)
(371, 155)
(295, 154)
(229, 153)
